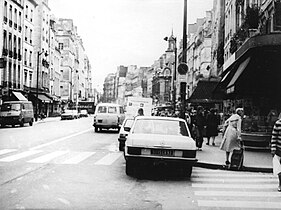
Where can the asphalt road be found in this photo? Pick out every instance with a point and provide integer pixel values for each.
(66, 165)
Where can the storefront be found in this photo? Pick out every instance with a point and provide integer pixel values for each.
(254, 83)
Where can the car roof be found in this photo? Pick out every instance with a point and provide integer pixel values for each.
(158, 118)
(108, 104)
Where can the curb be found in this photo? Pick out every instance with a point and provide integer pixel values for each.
(221, 167)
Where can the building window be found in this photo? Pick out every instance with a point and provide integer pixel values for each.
(5, 11)
(10, 13)
(25, 57)
(15, 75)
(10, 42)
(26, 12)
(15, 44)
(30, 58)
(31, 15)
(60, 46)
(25, 34)
(30, 79)
(25, 77)
(5, 40)
(19, 46)
(16, 16)
(19, 77)
(30, 36)
(19, 21)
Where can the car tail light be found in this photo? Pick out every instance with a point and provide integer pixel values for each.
(134, 150)
(178, 153)
(189, 153)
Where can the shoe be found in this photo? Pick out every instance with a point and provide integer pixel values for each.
(207, 143)
(279, 189)
(227, 163)
(213, 144)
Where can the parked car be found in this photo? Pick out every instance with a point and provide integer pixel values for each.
(160, 141)
(16, 112)
(108, 115)
(83, 113)
(124, 130)
(69, 115)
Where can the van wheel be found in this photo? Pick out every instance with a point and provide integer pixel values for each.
(31, 122)
(21, 123)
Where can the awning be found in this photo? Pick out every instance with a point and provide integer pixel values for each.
(239, 71)
(19, 96)
(42, 97)
(204, 92)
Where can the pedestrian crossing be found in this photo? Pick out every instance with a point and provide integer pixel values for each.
(219, 189)
(59, 157)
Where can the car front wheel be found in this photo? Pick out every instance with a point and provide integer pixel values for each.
(129, 168)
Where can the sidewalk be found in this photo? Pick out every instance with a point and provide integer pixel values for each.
(213, 157)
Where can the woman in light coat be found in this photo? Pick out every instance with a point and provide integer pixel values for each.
(230, 139)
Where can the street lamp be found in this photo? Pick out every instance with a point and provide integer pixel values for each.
(37, 82)
(174, 91)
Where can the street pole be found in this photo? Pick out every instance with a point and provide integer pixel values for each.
(175, 76)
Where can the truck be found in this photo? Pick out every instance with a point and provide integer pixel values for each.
(133, 104)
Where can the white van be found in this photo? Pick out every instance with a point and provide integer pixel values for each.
(16, 112)
(108, 115)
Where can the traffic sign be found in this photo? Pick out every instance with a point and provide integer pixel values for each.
(182, 68)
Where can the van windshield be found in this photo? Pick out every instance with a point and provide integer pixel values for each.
(10, 107)
(102, 109)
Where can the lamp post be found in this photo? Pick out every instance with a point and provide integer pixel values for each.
(174, 86)
(37, 83)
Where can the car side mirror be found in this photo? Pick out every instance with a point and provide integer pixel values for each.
(127, 129)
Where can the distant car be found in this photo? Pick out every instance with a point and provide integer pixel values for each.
(83, 113)
(160, 141)
(69, 115)
(124, 130)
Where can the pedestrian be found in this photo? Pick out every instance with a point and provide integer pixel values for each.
(239, 112)
(140, 112)
(276, 150)
(230, 139)
(199, 123)
(212, 123)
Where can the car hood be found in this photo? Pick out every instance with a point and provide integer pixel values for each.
(161, 141)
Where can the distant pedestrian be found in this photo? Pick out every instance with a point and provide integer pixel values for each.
(230, 139)
(199, 123)
(212, 123)
(276, 150)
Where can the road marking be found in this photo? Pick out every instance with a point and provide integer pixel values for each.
(265, 179)
(20, 156)
(60, 139)
(237, 194)
(108, 159)
(78, 158)
(6, 151)
(231, 175)
(240, 204)
(47, 157)
(236, 186)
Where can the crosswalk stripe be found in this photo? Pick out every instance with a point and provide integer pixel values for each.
(47, 157)
(20, 156)
(6, 151)
(266, 179)
(236, 186)
(237, 194)
(78, 158)
(240, 204)
(234, 175)
(108, 159)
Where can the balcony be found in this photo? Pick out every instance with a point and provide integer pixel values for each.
(10, 23)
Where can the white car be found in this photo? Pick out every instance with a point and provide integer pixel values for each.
(160, 140)
(123, 133)
(69, 115)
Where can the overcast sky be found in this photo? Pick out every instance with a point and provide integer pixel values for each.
(126, 32)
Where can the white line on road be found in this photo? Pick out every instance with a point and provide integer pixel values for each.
(237, 194)
(240, 204)
(60, 139)
(236, 186)
(265, 179)
(78, 158)
(242, 175)
(19, 156)
(108, 159)
(6, 151)
(47, 157)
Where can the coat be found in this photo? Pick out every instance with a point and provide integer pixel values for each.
(230, 139)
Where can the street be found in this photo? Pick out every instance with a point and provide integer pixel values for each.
(66, 165)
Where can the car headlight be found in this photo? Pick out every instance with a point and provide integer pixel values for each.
(134, 150)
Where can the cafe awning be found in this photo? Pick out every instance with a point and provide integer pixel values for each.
(239, 71)
(19, 96)
(42, 97)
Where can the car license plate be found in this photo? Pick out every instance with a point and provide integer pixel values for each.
(162, 152)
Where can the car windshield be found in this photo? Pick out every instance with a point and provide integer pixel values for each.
(9, 107)
(157, 126)
(68, 111)
(129, 123)
(112, 110)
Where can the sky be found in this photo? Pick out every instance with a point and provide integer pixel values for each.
(126, 32)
